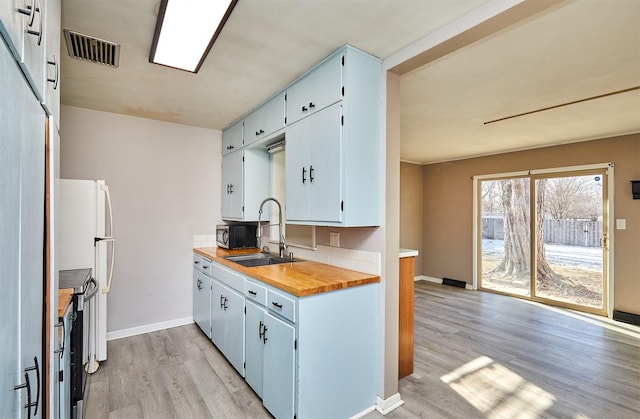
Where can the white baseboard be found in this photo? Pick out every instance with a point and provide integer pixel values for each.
(154, 327)
(363, 413)
(387, 405)
(437, 280)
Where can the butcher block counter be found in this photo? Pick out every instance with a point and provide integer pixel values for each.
(297, 278)
(64, 299)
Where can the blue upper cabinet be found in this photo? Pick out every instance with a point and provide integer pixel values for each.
(265, 120)
(232, 138)
(22, 25)
(318, 89)
(333, 154)
(330, 118)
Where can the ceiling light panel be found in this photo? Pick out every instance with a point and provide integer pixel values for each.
(186, 30)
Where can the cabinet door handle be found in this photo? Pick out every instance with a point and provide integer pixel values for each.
(224, 306)
(304, 173)
(279, 306)
(55, 78)
(311, 105)
(231, 188)
(264, 333)
(199, 284)
(304, 108)
(311, 174)
(259, 132)
(252, 292)
(30, 11)
(26, 385)
(37, 33)
(261, 330)
(35, 368)
(60, 350)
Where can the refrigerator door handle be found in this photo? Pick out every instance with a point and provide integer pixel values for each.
(106, 289)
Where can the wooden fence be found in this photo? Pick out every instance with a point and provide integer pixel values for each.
(563, 232)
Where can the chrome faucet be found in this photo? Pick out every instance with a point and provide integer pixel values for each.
(282, 244)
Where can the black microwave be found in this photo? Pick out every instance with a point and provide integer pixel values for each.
(236, 236)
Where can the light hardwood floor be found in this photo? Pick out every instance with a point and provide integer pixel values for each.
(477, 355)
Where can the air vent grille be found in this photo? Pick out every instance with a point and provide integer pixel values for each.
(89, 48)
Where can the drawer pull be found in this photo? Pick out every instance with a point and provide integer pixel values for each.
(311, 105)
(304, 108)
(252, 292)
(279, 306)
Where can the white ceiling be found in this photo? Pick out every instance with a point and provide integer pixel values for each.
(573, 51)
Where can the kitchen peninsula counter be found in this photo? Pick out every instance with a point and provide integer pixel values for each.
(301, 278)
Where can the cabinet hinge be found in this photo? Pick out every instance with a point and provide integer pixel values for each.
(342, 120)
(60, 376)
(243, 156)
(244, 365)
(245, 309)
(243, 208)
(343, 60)
(341, 205)
(285, 120)
(342, 91)
(285, 97)
(295, 345)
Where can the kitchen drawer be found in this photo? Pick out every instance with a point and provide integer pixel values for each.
(282, 305)
(197, 262)
(228, 277)
(206, 267)
(255, 292)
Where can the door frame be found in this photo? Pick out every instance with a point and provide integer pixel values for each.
(608, 264)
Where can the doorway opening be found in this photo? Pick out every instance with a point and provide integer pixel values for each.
(545, 236)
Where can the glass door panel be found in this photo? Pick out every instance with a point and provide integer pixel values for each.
(569, 240)
(505, 239)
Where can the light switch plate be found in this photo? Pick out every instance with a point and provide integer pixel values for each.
(334, 239)
(621, 224)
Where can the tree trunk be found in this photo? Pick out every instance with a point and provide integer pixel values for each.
(515, 197)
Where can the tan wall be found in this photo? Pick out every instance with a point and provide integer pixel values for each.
(411, 210)
(448, 201)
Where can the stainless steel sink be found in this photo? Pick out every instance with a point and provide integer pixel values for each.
(258, 259)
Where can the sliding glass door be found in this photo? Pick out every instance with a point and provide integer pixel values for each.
(545, 237)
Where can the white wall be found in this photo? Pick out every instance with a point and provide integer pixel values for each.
(164, 180)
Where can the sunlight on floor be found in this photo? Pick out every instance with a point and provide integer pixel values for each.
(497, 391)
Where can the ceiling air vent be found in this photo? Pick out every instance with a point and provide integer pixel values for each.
(89, 48)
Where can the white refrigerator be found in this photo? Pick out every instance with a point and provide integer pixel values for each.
(85, 240)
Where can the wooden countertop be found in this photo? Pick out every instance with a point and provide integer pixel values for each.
(64, 299)
(298, 278)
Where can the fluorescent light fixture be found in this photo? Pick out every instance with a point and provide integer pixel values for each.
(186, 30)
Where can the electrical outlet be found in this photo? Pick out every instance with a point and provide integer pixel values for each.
(621, 224)
(334, 239)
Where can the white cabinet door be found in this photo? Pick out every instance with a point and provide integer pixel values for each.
(317, 90)
(234, 324)
(313, 167)
(32, 242)
(12, 85)
(218, 315)
(52, 60)
(232, 138)
(232, 185)
(202, 302)
(254, 324)
(279, 367)
(11, 24)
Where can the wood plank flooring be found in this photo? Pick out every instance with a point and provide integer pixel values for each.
(477, 355)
